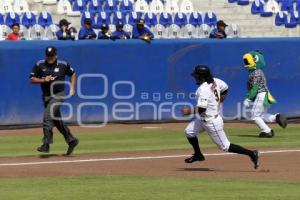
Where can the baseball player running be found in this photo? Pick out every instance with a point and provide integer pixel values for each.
(210, 93)
(259, 94)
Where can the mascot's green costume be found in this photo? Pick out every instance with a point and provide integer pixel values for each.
(255, 63)
(259, 94)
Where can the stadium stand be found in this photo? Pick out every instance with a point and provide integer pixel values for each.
(28, 19)
(166, 18)
(12, 18)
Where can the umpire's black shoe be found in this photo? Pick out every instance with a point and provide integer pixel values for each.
(44, 148)
(255, 158)
(72, 146)
(194, 158)
(267, 135)
(281, 120)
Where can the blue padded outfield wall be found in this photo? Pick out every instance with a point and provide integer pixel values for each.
(133, 80)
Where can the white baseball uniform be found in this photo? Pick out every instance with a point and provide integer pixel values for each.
(208, 96)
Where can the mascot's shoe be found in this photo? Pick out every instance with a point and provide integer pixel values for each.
(281, 120)
(194, 158)
(72, 146)
(44, 148)
(255, 159)
(267, 135)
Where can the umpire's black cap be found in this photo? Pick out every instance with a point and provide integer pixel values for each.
(51, 51)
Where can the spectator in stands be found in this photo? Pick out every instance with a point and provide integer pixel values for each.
(65, 33)
(15, 34)
(219, 32)
(104, 33)
(141, 32)
(120, 33)
(87, 32)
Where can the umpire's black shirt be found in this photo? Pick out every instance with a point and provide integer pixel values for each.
(58, 70)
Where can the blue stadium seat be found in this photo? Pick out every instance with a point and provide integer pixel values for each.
(180, 19)
(150, 19)
(89, 15)
(12, 18)
(292, 20)
(28, 19)
(287, 5)
(243, 2)
(126, 6)
(95, 6)
(79, 5)
(262, 11)
(165, 19)
(280, 18)
(110, 6)
(1, 19)
(118, 17)
(195, 19)
(266, 14)
(45, 19)
(102, 18)
(210, 19)
(257, 7)
(298, 5)
(232, 1)
(133, 16)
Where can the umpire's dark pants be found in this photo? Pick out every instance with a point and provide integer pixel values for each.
(52, 117)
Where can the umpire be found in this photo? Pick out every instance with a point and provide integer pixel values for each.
(50, 73)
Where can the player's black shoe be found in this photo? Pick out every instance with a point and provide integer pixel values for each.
(255, 158)
(281, 120)
(72, 146)
(194, 158)
(267, 135)
(44, 148)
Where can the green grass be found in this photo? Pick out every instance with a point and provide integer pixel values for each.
(154, 188)
(136, 188)
(143, 139)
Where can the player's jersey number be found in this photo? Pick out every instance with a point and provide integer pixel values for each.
(217, 95)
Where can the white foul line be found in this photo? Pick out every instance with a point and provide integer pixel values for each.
(131, 158)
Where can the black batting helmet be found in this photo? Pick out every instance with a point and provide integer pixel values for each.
(202, 72)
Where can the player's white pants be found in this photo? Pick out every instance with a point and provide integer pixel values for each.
(214, 128)
(260, 115)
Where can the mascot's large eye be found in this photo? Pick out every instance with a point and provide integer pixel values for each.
(256, 58)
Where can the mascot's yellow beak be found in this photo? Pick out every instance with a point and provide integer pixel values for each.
(249, 61)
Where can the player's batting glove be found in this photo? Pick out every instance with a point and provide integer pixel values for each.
(247, 102)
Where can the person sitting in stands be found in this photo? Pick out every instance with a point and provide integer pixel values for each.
(120, 33)
(104, 33)
(65, 33)
(140, 31)
(87, 32)
(15, 34)
(219, 32)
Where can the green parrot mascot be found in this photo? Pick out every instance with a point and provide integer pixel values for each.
(254, 62)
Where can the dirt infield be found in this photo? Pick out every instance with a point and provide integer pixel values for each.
(114, 128)
(274, 165)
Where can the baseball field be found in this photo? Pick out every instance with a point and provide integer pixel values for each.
(146, 161)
